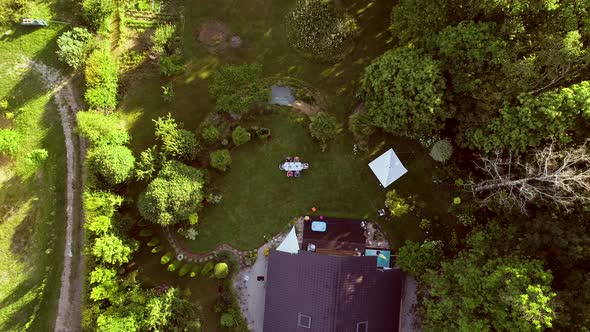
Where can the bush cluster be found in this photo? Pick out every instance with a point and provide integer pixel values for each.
(95, 12)
(324, 128)
(238, 88)
(102, 80)
(74, 46)
(220, 159)
(318, 30)
(240, 136)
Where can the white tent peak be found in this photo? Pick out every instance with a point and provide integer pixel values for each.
(387, 168)
(290, 243)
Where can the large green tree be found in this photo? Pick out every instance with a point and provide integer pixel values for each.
(488, 288)
(559, 116)
(403, 93)
(495, 53)
(174, 195)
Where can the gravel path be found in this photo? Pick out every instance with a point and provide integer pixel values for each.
(70, 294)
(408, 318)
(252, 292)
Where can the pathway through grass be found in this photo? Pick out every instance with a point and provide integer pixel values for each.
(32, 204)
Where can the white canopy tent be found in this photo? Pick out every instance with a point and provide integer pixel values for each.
(290, 244)
(387, 168)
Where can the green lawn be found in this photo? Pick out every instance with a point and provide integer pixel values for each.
(258, 199)
(32, 214)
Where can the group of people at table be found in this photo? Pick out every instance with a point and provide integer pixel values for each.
(293, 166)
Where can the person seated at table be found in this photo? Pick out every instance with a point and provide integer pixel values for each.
(288, 159)
(296, 159)
(290, 173)
(305, 166)
(297, 174)
(281, 167)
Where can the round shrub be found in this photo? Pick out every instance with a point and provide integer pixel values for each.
(220, 159)
(324, 127)
(174, 195)
(37, 157)
(396, 205)
(184, 270)
(173, 266)
(113, 163)
(207, 268)
(166, 258)
(240, 136)
(74, 46)
(221, 270)
(316, 29)
(361, 125)
(227, 320)
(10, 141)
(441, 151)
(210, 134)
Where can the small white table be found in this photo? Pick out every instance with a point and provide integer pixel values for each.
(293, 166)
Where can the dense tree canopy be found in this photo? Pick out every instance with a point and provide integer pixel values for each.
(403, 92)
(557, 116)
(415, 259)
(494, 293)
(173, 195)
(513, 65)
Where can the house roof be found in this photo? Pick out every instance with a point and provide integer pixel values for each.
(336, 292)
(290, 243)
(387, 168)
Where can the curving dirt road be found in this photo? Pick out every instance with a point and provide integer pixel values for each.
(70, 296)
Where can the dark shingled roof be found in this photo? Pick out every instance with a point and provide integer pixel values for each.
(336, 292)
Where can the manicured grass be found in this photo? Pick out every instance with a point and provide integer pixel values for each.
(258, 199)
(32, 213)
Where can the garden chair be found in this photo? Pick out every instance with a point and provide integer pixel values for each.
(281, 167)
(305, 166)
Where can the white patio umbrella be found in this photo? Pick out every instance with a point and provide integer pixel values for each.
(387, 168)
